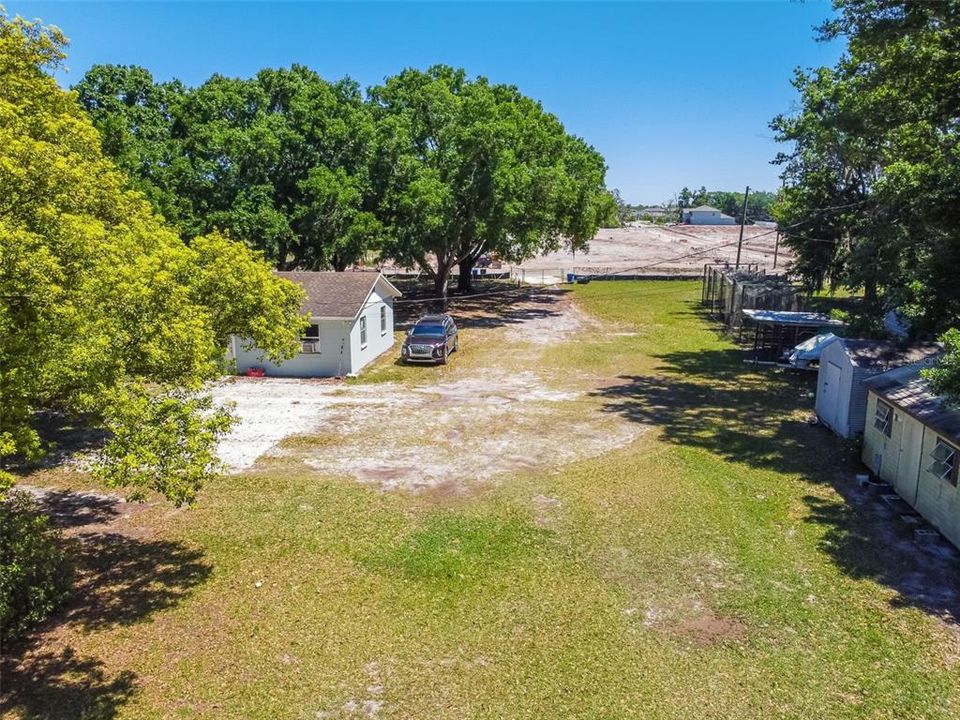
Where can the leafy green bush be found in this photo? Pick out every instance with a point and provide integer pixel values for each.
(35, 572)
(944, 378)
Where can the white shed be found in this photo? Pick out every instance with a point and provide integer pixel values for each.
(351, 316)
(706, 215)
(841, 402)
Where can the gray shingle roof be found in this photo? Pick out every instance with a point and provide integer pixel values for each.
(337, 294)
(905, 388)
(877, 353)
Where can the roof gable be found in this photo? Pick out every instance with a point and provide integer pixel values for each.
(340, 295)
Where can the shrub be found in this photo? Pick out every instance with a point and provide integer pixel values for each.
(35, 571)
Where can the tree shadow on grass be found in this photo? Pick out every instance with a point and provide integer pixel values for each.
(63, 436)
(714, 401)
(61, 685)
(510, 306)
(71, 509)
(869, 542)
(121, 580)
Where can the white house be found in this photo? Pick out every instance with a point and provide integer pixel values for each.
(351, 316)
(845, 364)
(705, 215)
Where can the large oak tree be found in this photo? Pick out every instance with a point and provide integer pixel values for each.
(465, 167)
(279, 160)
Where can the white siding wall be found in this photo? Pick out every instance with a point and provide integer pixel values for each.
(937, 500)
(333, 359)
(833, 399)
(903, 460)
(709, 218)
(377, 342)
(875, 443)
(846, 404)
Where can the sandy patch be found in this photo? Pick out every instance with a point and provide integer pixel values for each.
(269, 409)
(455, 431)
(420, 439)
(549, 329)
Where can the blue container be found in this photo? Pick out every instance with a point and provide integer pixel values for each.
(571, 277)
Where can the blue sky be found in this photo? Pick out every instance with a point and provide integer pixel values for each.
(672, 94)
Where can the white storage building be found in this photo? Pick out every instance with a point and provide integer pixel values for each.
(841, 402)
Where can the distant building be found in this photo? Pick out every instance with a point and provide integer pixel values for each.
(654, 212)
(705, 215)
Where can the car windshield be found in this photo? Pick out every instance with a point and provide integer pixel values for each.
(427, 330)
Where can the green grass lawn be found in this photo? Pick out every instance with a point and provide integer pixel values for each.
(720, 566)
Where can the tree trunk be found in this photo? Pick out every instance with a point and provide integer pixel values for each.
(441, 281)
(465, 281)
(870, 294)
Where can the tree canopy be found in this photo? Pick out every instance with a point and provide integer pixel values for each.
(279, 160)
(944, 378)
(431, 168)
(872, 174)
(466, 168)
(105, 313)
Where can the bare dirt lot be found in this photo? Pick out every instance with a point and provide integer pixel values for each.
(658, 246)
(416, 435)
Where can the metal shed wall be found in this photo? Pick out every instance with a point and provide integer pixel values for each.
(846, 405)
(833, 399)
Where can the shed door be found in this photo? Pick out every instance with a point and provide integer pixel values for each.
(830, 388)
(909, 447)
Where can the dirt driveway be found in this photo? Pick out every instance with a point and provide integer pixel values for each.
(472, 422)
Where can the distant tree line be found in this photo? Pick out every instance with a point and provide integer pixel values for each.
(759, 205)
(430, 169)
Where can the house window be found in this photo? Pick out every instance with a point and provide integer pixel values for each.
(363, 331)
(945, 462)
(383, 319)
(883, 418)
(310, 339)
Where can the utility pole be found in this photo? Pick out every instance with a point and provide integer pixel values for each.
(743, 219)
(776, 249)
